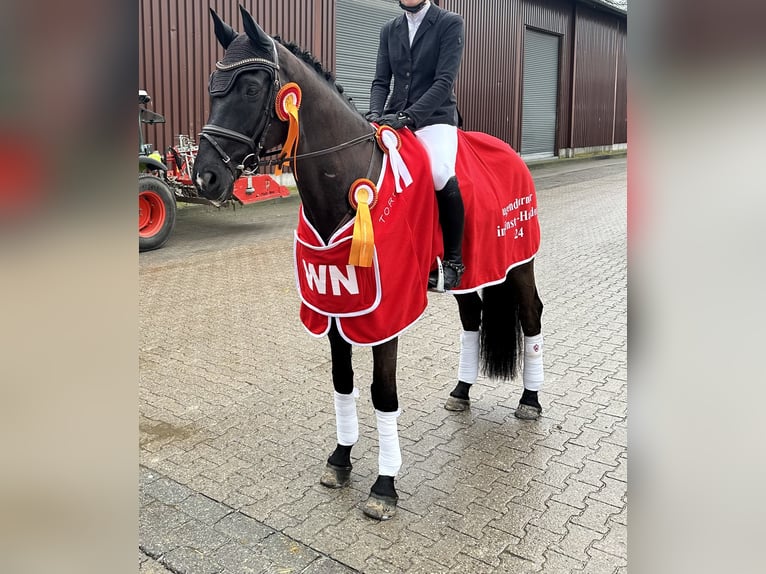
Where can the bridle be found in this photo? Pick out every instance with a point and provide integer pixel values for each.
(256, 143)
(211, 131)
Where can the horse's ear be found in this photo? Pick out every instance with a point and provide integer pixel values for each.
(257, 36)
(223, 31)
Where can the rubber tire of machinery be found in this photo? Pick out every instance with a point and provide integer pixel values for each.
(155, 193)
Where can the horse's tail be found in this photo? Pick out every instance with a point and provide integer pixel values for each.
(502, 339)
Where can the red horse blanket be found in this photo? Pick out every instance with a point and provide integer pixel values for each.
(374, 304)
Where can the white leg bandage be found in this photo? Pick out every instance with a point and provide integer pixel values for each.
(532, 374)
(468, 367)
(345, 418)
(389, 456)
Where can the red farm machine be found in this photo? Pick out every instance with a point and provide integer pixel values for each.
(163, 183)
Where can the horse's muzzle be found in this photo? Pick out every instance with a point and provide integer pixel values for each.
(213, 182)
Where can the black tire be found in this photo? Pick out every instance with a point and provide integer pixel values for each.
(156, 212)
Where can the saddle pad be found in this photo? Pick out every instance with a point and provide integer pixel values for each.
(501, 230)
(375, 304)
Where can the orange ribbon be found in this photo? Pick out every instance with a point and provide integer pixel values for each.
(362, 197)
(287, 104)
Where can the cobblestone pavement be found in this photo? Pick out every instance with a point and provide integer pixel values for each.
(237, 419)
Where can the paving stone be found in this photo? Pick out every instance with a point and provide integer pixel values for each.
(556, 563)
(166, 490)
(596, 515)
(324, 565)
(243, 529)
(534, 543)
(556, 517)
(151, 566)
(575, 493)
(613, 493)
(616, 540)
(190, 561)
(204, 509)
(576, 541)
(602, 563)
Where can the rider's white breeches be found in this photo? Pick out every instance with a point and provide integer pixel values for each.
(440, 141)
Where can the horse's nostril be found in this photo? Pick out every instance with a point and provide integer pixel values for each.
(209, 178)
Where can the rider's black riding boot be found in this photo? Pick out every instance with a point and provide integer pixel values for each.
(451, 218)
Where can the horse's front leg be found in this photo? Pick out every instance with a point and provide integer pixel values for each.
(337, 473)
(383, 499)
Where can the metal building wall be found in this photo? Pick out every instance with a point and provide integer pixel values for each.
(596, 86)
(487, 86)
(178, 51)
(555, 17)
(621, 103)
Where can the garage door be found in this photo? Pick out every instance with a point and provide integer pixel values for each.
(358, 24)
(539, 104)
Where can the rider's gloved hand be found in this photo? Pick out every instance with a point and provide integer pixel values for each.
(372, 116)
(396, 121)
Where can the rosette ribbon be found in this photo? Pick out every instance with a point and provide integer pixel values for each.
(363, 196)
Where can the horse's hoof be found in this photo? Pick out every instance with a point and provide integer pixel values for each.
(456, 404)
(336, 476)
(528, 412)
(380, 507)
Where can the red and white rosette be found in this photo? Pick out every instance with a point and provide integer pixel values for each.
(390, 142)
(288, 99)
(363, 190)
(287, 103)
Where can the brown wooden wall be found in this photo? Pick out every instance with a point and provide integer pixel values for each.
(178, 51)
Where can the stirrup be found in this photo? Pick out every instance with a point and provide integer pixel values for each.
(436, 278)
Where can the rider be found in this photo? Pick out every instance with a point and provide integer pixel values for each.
(422, 50)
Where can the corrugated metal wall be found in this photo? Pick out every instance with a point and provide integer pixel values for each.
(596, 79)
(621, 103)
(488, 84)
(178, 50)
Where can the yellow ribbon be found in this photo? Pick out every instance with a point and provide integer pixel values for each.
(363, 240)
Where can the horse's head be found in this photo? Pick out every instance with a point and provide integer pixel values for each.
(242, 89)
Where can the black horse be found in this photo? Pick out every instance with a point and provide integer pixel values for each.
(335, 147)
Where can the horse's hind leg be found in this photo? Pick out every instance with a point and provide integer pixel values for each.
(469, 307)
(530, 314)
(383, 498)
(337, 473)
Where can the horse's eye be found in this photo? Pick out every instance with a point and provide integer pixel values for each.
(252, 91)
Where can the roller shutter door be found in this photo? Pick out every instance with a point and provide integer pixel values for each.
(539, 103)
(357, 26)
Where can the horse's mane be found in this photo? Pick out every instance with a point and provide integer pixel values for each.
(309, 59)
